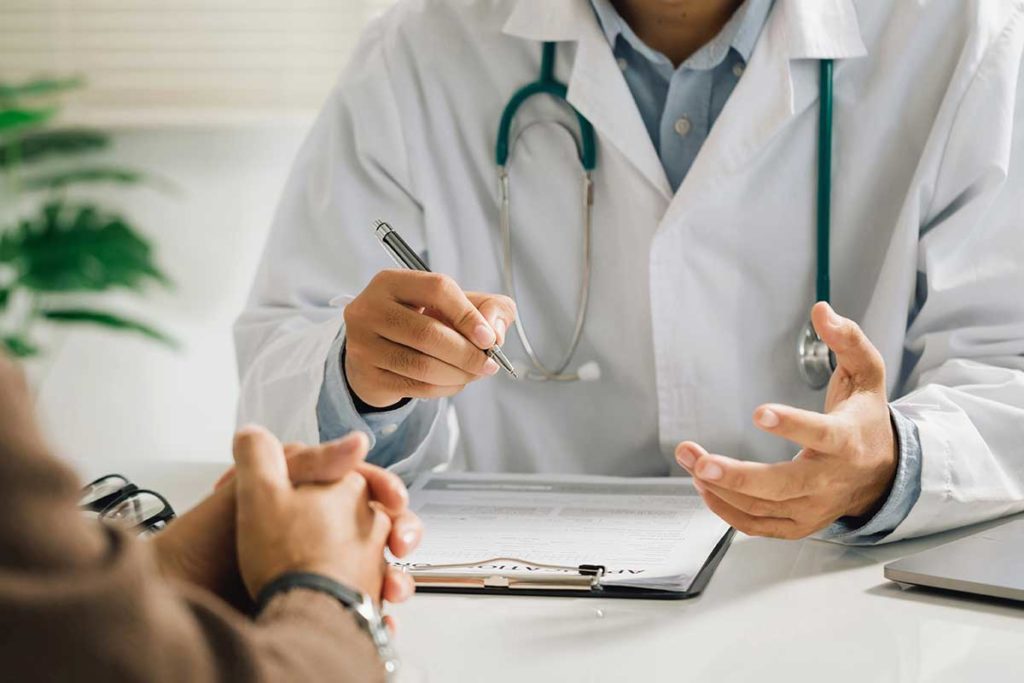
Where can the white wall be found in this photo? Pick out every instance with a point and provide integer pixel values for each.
(119, 398)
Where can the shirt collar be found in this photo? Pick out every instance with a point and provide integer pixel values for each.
(739, 33)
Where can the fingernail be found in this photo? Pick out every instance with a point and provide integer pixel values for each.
(711, 472)
(685, 457)
(483, 336)
(768, 418)
(499, 329)
(408, 534)
(490, 367)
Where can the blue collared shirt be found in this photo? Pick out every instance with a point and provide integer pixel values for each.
(679, 106)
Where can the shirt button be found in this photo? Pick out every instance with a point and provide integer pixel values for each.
(737, 70)
(389, 430)
(621, 61)
(683, 126)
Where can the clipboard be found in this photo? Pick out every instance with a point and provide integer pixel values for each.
(583, 581)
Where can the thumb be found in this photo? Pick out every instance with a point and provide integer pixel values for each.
(499, 311)
(328, 462)
(854, 351)
(259, 461)
(322, 464)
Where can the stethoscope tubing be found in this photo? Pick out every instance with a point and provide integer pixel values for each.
(814, 359)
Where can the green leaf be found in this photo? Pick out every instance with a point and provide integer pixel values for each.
(19, 346)
(5, 296)
(33, 147)
(62, 179)
(9, 245)
(40, 87)
(75, 248)
(18, 118)
(108, 320)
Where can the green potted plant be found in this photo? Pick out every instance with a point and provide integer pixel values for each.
(59, 246)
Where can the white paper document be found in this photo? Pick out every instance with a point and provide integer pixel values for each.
(647, 533)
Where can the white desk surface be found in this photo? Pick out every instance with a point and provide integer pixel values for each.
(774, 611)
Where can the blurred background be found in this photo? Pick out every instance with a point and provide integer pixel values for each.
(196, 109)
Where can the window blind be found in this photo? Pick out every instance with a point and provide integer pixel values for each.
(184, 61)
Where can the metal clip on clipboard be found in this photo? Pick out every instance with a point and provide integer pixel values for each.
(584, 577)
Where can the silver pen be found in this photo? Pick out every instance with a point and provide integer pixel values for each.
(405, 257)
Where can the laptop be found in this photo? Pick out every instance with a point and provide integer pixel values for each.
(988, 563)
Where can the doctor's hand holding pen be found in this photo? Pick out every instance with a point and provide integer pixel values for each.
(848, 459)
(413, 334)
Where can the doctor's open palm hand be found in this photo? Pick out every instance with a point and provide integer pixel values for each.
(412, 334)
(848, 458)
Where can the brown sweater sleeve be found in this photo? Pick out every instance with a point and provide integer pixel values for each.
(82, 602)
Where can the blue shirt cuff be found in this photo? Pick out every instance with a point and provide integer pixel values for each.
(906, 488)
(337, 414)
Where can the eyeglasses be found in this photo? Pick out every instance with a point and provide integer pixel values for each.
(115, 499)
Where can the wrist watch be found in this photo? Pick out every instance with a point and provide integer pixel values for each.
(361, 605)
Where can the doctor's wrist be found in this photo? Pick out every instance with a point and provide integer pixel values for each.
(881, 489)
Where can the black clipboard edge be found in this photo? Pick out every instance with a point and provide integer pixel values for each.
(697, 587)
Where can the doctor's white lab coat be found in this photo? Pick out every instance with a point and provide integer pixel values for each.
(697, 298)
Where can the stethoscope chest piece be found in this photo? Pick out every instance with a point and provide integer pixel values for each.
(815, 360)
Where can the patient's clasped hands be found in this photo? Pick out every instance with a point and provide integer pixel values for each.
(288, 508)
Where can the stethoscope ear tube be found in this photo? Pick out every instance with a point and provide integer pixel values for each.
(815, 359)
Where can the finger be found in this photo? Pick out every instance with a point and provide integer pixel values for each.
(353, 485)
(775, 481)
(414, 364)
(442, 295)
(427, 335)
(755, 507)
(687, 454)
(822, 433)
(498, 310)
(291, 450)
(259, 460)
(386, 488)
(329, 462)
(228, 476)
(772, 527)
(406, 534)
(413, 388)
(389, 621)
(398, 586)
(380, 529)
(854, 351)
(374, 521)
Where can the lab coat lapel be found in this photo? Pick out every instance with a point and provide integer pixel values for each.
(600, 92)
(597, 88)
(781, 81)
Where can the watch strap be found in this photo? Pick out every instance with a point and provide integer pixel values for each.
(318, 582)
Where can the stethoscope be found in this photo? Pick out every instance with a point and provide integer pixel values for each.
(815, 360)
